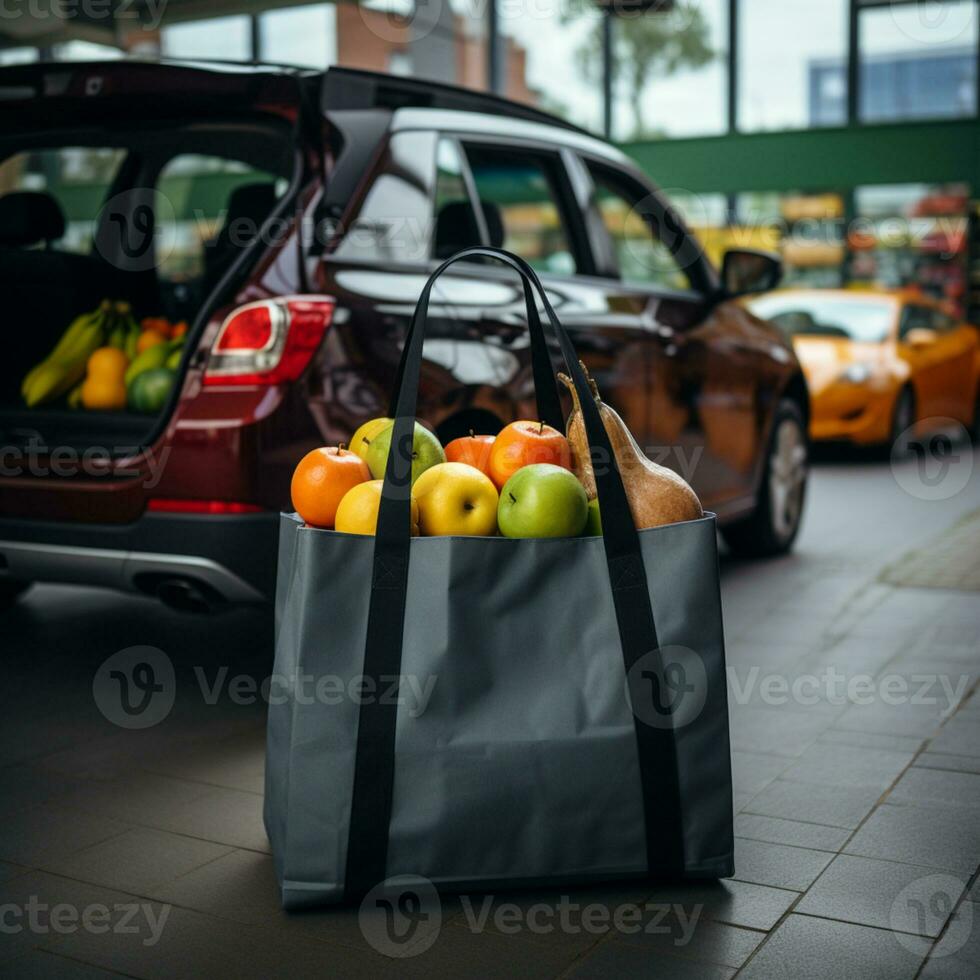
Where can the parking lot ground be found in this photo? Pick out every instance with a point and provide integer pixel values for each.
(855, 719)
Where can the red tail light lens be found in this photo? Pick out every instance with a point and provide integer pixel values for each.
(174, 505)
(268, 342)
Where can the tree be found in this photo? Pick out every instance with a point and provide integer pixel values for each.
(649, 46)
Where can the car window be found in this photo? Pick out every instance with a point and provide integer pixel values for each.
(77, 177)
(198, 196)
(640, 254)
(454, 225)
(393, 224)
(864, 320)
(942, 322)
(522, 204)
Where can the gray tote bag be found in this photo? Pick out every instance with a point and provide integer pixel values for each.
(482, 712)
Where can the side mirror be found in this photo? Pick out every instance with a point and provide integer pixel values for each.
(919, 338)
(745, 270)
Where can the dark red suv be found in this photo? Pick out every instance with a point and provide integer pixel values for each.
(291, 218)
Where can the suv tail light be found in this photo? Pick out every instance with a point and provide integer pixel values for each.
(268, 342)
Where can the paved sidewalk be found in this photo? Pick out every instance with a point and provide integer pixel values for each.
(857, 797)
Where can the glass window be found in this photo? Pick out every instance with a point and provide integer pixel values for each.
(300, 35)
(918, 61)
(77, 177)
(224, 37)
(912, 235)
(394, 222)
(519, 195)
(552, 58)
(444, 42)
(640, 254)
(792, 57)
(867, 321)
(915, 318)
(85, 51)
(670, 76)
(455, 225)
(17, 56)
(211, 207)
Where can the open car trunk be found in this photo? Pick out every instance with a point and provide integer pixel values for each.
(141, 189)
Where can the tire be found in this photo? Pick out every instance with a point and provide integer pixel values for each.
(773, 526)
(903, 418)
(10, 591)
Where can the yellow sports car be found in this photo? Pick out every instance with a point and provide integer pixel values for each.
(878, 364)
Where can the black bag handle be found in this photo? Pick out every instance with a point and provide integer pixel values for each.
(545, 384)
(374, 766)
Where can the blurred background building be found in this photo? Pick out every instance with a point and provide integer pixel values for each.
(843, 133)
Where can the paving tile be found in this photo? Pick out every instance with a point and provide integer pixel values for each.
(957, 955)
(891, 719)
(814, 836)
(23, 787)
(41, 964)
(836, 806)
(712, 942)
(946, 839)
(846, 765)
(937, 788)
(8, 870)
(227, 816)
(738, 903)
(873, 740)
(781, 731)
(613, 959)
(959, 736)
(138, 860)
(807, 948)
(48, 833)
(234, 763)
(778, 865)
(753, 771)
(883, 894)
(457, 952)
(951, 763)
(142, 798)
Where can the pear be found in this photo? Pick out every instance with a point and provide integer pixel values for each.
(656, 494)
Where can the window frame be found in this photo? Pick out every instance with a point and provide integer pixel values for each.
(702, 277)
(562, 186)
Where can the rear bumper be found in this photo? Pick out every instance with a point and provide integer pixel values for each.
(233, 555)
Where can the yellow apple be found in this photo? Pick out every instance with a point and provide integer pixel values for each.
(358, 510)
(362, 438)
(456, 498)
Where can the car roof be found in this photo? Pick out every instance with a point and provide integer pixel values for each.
(489, 124)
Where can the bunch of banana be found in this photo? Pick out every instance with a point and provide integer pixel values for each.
(125, 331)
(64, 367)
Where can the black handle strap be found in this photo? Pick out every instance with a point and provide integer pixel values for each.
(545, 385)
(367, 846)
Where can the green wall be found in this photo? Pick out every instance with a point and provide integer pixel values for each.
(820, 159)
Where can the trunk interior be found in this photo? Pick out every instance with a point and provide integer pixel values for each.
(144, 218)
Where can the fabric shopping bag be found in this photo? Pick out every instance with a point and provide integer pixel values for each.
(484, 711)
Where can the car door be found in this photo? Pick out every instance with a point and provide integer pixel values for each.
(926, 352)
(708, 371)
(958, 347)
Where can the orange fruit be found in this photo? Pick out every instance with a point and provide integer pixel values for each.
(472, 450)
(523, 443)
(320, 481)
(358, 511)
(107, 363)
(104, 394)
(148, 339)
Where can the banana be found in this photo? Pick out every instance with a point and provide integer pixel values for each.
(75, 395)
(65, 348)
(59, 374)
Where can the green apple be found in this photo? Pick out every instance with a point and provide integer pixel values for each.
(542, 501)
(426, 451)
(593, 524)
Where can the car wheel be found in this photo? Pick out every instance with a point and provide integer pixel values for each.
(903, 418)
(772, 527)
(10, 591)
